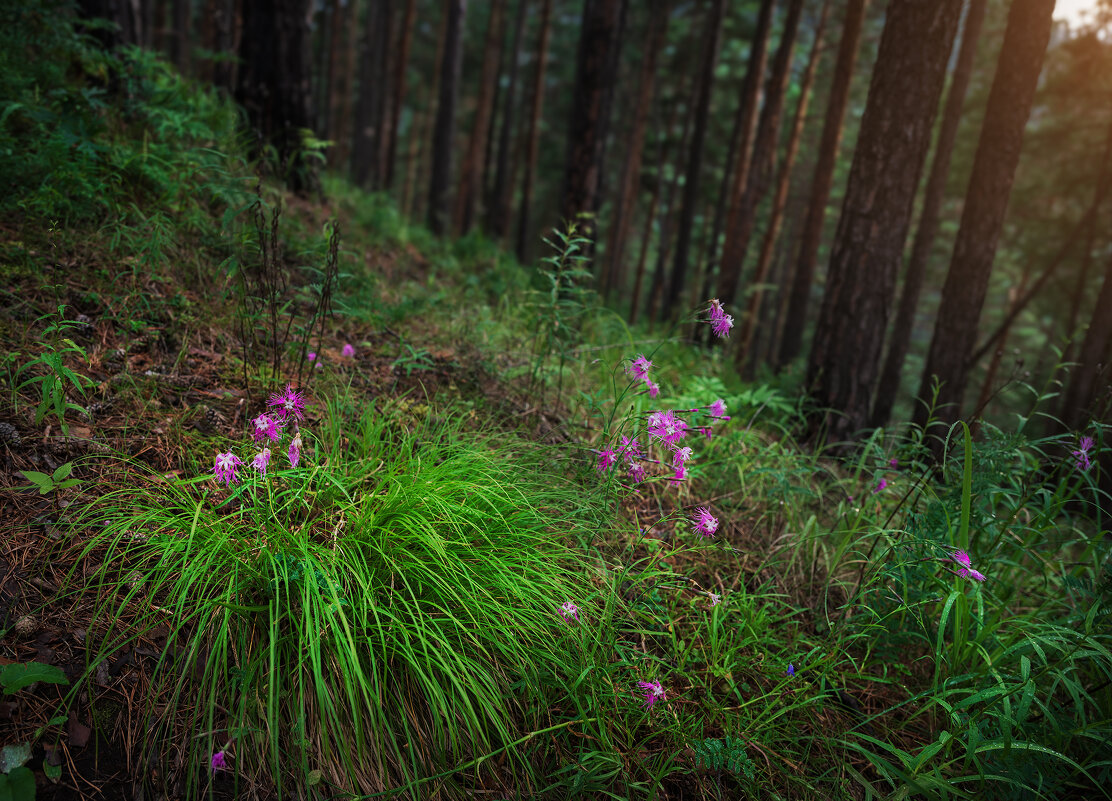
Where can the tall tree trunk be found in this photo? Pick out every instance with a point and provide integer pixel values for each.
(500, 199)
(182, 41)
(473, 169)
(780, 198)
(533, 137)
(743, 213)
(929, 218)
(368, 110)
(804, 274)
(273, 84)
(399, 65)
(986, 201)
(345, 17)
(1081, 391)
(712, 34)
(445, 129)
(892, 145)
(631, 170)
(122, 12)
(223, 71)
(594, 77)
(1014, 294)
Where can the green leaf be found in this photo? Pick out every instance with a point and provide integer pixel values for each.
(22, 783)
(63, 472)
(53, 772)
(41, 480)
(16, 677)
(14, 756)
(314, 778)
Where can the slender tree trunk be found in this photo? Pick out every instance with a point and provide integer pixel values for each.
(631, 171)
(712, 34)
(929, 218)
(1081, 391)
(182, 41)
(1014, 294)
(445, 129)
(892, 145)
(534, 135)
(986, 201)
(345, 18)
(385, 63)
(474, 165)
(780, 198)
(501, 191)
(397, 95)
(804, 274)
(594, 76)
(368, 110)
(743, 214)
(223, 71)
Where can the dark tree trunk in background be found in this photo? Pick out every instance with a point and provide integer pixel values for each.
(891, 147)
(181, 41)
(780, 198)
(743, 213)
(804, 274)
(594, 78)
(929, 218)
(368, 125)
(1082, 400)
(986, 201)
(631, 170)
(398, 66)
(500, 198)
(445, 128)
(224, 21)
(712, 34)
(533, 138)
(341, 66)
(473, 169)
(125, 13)
(273, 84)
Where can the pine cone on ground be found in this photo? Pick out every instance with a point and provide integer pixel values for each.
(9, 435)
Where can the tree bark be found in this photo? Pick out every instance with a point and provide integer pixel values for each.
(474, 165)
(929, 218)
(398, 67)
(273, 84)
(533, 137)
(712, 34)
(739, 226)
(445, 129)
(368, 111)
(986, 201)
(780, 198)
(631, 170)
(1081, 392)
(500, 198)
(804, 274)
(182, 41)
(122, 12)
(594, 77)
(892, 145)
(340, 69)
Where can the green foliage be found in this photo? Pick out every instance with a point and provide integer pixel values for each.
(15, 677)
(52, 373)
(17, 782)
(49, 482)
(728, 754)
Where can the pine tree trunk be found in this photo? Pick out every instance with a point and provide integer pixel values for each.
(986, 201)
(500, 197)
(344, 17)
(631, 170)
(367, 131)
(712, 34)
(743, 214)
(1081, 399)
(803, 276)
(473, 169)
(533, 137)
(892, 145)
(398, 67)
(780, 198)
(445, 128)
(223, 71)
(929, 218)
(182, 41)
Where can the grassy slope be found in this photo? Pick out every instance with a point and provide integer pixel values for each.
(387, 612)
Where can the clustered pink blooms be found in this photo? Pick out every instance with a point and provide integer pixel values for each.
(639, 370)
(666, 427)
(219, 761)
(653, 692)
(225, 468)
(347, 351)
(261, 460)
(1082, 454)
(966, 570)
(295, 450)
(606, 460)
(720, 322)
(715, 599)
(718, 410)
(569, 610)
(265, 427)
(704, 522)
(881, 485)
(287, 404)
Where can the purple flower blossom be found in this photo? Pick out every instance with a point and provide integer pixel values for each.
(569, 610)
(312, 355)
(1082, 454)
(894, 463)
(261, 460)
(718, 409)
(654, 389)
(295, 451)
(639, 368)
(653, 692)
(706, 430)
(225, 467)
(790, 671)
(666, 427)
(881, 485)
(681, 456)
(966, 570)
(705, 523)
(680, 475)
(348, 351)
(636, 471)
(629, 447)
(219, 762)
(715, 599)
(265, 427)
(605, 460)
(721, 323)
(289, 403)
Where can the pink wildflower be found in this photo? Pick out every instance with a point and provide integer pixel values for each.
(288, 403)
(882, 484)
(705, 430)
(261, 460)
(894, 463)
(715, 599)
(966, 570)
(680, 475)
(721, 327)
(348, 351)
(705, 523)
(1082, 454)
(636, 471)
(639, 367)
(219, 762)
(653, 692)
(312, 355)
(295, 451)
(605, 460)
(629, 447)
(718, 409)
(569, 610)
(654, 389)
(681, 456)
(265, 427)
(225, 467)
(666, 427)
